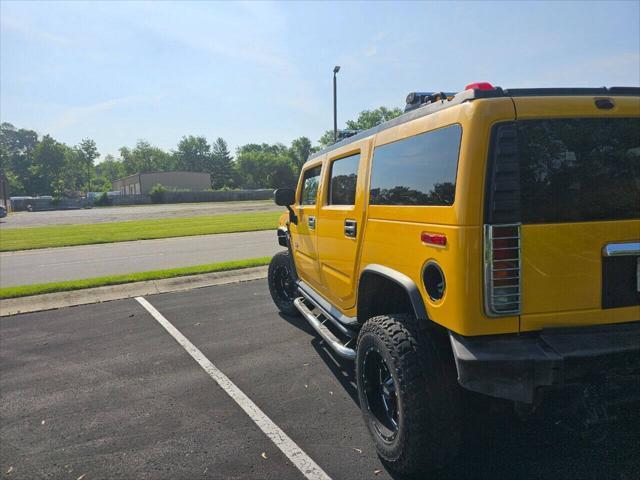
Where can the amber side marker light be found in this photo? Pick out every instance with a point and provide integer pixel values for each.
(434, 238)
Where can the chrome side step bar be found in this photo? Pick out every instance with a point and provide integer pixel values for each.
(326, 334)
(325, 306)
(344, 330)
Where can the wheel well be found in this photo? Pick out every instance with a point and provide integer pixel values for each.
(378, 295)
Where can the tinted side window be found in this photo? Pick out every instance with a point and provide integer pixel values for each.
(310, 186)
(579, 169)
(419, 170)
(344, 176)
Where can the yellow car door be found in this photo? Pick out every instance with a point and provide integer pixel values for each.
(304, 239)
(341, 222)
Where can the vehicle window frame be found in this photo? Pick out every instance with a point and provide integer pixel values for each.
(302, 184)
(455, 175)
(331, 162)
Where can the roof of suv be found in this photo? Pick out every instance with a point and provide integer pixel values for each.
(472, 94)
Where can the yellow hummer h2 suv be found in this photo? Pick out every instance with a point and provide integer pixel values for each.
(488, 239)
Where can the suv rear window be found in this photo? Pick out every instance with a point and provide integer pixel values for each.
(579, 169)
(419, 170)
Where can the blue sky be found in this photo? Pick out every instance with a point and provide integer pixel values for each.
(262, 72)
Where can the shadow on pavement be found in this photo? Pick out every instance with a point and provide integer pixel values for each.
(298, 322)
(343, 370)
(501, 445)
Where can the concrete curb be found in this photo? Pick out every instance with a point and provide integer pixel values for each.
(52, 301)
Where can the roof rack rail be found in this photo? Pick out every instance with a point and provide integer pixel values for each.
(420, 104)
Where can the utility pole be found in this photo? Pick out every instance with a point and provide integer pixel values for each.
(336, 69)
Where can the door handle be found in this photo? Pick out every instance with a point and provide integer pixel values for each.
(312, 223)
(350, 228)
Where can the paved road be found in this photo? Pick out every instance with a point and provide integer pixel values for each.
(140, 212)
(104, 391)
(72, 263)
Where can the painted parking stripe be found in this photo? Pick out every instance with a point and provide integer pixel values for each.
(301, 460)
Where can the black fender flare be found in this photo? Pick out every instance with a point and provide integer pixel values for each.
(284, 240)
(413, 292)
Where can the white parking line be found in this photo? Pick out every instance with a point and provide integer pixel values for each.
(301, 460)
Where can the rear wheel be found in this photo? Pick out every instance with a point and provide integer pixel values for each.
(408, 399)
(281, 285)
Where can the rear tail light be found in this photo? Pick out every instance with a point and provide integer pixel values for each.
(502, 269)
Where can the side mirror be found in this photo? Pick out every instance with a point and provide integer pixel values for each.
(285, 196)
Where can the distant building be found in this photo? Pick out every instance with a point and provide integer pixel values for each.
(142, 183)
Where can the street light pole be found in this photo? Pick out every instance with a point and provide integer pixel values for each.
(336, 69)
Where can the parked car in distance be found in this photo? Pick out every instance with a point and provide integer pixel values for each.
(3, 211)
(485, 241)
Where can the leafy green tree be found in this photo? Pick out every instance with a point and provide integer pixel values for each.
(87, 152)
(74, 174)
(276, 149)
(110, 169)
(222, 174)
(265, 166)
(16, 157)
(145, 158)
(371, 118)
(366, 119)
(193, 154)
(47, 167)
(300, 150)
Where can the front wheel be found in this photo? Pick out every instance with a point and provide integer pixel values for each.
(281, 285)
(408, 401)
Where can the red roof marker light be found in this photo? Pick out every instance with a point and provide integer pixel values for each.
(479, 86)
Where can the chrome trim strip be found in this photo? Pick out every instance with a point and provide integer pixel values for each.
(489, 295)
(621, 249)
(324, 332)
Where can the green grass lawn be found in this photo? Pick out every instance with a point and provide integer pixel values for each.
(66, 235)
(37, 289)
(230, 202)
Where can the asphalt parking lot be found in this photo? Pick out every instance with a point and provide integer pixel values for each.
(104, 391)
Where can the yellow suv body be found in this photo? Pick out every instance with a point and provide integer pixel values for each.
(485, 215)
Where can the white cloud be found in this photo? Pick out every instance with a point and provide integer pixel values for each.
(74, 115)
(31, 32)
(622, 69)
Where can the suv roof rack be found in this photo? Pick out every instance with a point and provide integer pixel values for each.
(544, 92)
(420, 104)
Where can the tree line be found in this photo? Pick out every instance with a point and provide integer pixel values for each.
(41, 165)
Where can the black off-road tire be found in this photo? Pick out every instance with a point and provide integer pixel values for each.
(428, 425)
(283, 290)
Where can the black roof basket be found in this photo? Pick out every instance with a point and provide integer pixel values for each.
(417, 99)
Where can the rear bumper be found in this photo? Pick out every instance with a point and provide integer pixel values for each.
(517, 367)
